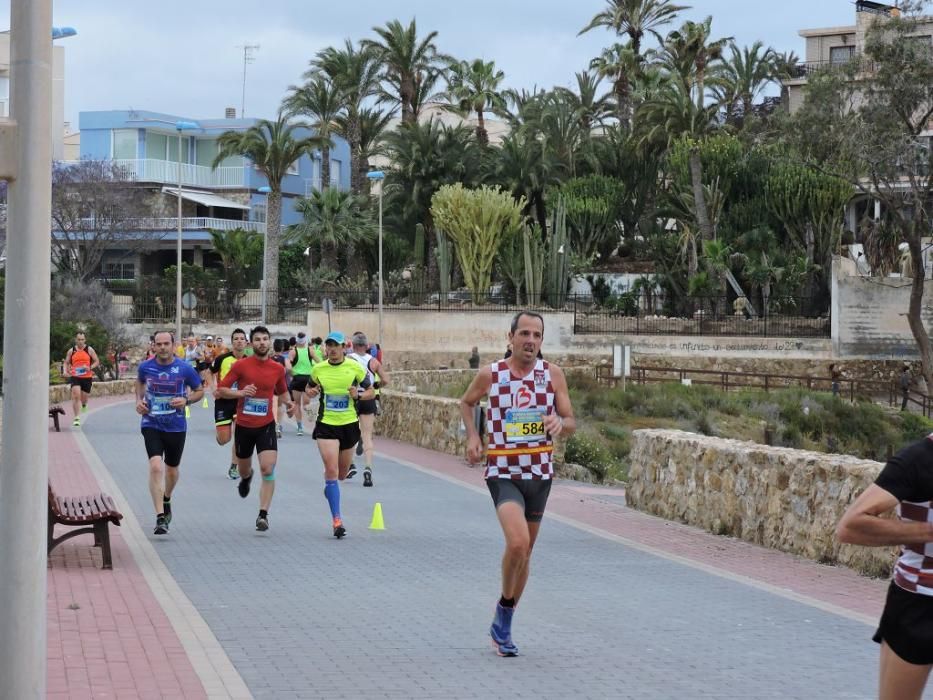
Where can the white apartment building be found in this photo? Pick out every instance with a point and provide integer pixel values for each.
(835, 46)
(58, 91)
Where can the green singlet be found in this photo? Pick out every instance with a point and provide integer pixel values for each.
(303, 362)
(337, 408)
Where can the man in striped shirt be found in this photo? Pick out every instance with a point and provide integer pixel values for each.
(527, 405)
(906, 628)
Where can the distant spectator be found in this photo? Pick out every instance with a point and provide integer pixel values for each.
(835, 374)
(474, 358)
(904, 381)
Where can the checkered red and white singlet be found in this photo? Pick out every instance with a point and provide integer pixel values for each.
(518, 446)
(914, 568)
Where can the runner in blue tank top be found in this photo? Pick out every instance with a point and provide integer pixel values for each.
(165, 385)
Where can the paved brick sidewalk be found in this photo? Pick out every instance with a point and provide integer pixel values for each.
(108, 637)
(620, 604)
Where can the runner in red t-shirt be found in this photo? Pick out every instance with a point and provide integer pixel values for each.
(258, 379)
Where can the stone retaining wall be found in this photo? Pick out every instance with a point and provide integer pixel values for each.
(786, 499)
(61, 393)
(426, 421)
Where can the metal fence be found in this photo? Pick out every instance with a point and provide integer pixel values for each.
(631, 314)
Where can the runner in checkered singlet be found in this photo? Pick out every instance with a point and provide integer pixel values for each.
(528, 405)
(906, 628)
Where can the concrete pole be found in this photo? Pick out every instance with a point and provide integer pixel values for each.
(25, 463)
(379, 341)
(178, 254)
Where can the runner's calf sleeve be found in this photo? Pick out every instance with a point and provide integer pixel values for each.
(332, 494)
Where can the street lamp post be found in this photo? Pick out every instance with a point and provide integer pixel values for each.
(265, 189)
(23, 524)
(377, 176)
(180, 126)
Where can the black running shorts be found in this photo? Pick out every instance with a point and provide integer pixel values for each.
(366, 407)
(299, 382)
(907, 625)
(224, 411)
(262, 439)
(530, 494)
(169, 446)
(348, 435)
(85, 384)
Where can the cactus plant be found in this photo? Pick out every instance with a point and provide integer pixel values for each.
(558, 257)
(417, 274)
(444, 262)
(535, 251)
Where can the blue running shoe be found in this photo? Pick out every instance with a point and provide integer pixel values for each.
(501, 632)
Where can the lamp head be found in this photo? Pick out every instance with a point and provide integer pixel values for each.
(182, 125)
(63, 32)
(375, 175)
(265, 189)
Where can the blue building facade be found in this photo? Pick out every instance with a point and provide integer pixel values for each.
(147, 148)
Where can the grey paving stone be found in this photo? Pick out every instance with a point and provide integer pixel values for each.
(405, 612)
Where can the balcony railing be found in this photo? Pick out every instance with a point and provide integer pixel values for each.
(166, 171)
(189, 223)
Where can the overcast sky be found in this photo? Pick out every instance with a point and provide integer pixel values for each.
(182, 57)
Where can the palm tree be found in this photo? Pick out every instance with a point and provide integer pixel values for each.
(635, 18)
(424, 156)
(762, 273)
(426, 92)
(372, 126)
(622, 65)
(786, 66)
(526, 168)
(592, 106)
(273, 147)
(321, 100)
(333, 219)
(741, 78)
(355, 73)
(671, 115)
(239, 250)
(406, 60)
(474, 87)
(691, 51)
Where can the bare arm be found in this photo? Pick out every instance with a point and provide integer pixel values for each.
(863, 525)
(66, 369)
(478, 388)
(95, 362)
(562, 421)
(380, 369)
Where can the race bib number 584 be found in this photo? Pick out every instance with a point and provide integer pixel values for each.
(524, 425)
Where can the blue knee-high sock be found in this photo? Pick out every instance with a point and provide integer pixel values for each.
(332, 494)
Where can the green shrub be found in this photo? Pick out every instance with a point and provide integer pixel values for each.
(586, 451)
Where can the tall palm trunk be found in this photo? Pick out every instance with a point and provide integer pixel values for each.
(699, 196)
(325, 167)
(481, 135)
(353, 138)
(407, 95)
(915, 308)
(271, 257)
(623, 89)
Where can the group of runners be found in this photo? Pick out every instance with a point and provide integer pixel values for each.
(251, 394)
(527, 406)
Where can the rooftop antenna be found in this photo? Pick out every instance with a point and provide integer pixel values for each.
(248, 57)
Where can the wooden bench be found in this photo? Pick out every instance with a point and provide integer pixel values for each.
(54, 413)
(89, 514)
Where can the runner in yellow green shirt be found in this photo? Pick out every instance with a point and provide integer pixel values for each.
(339, 382)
